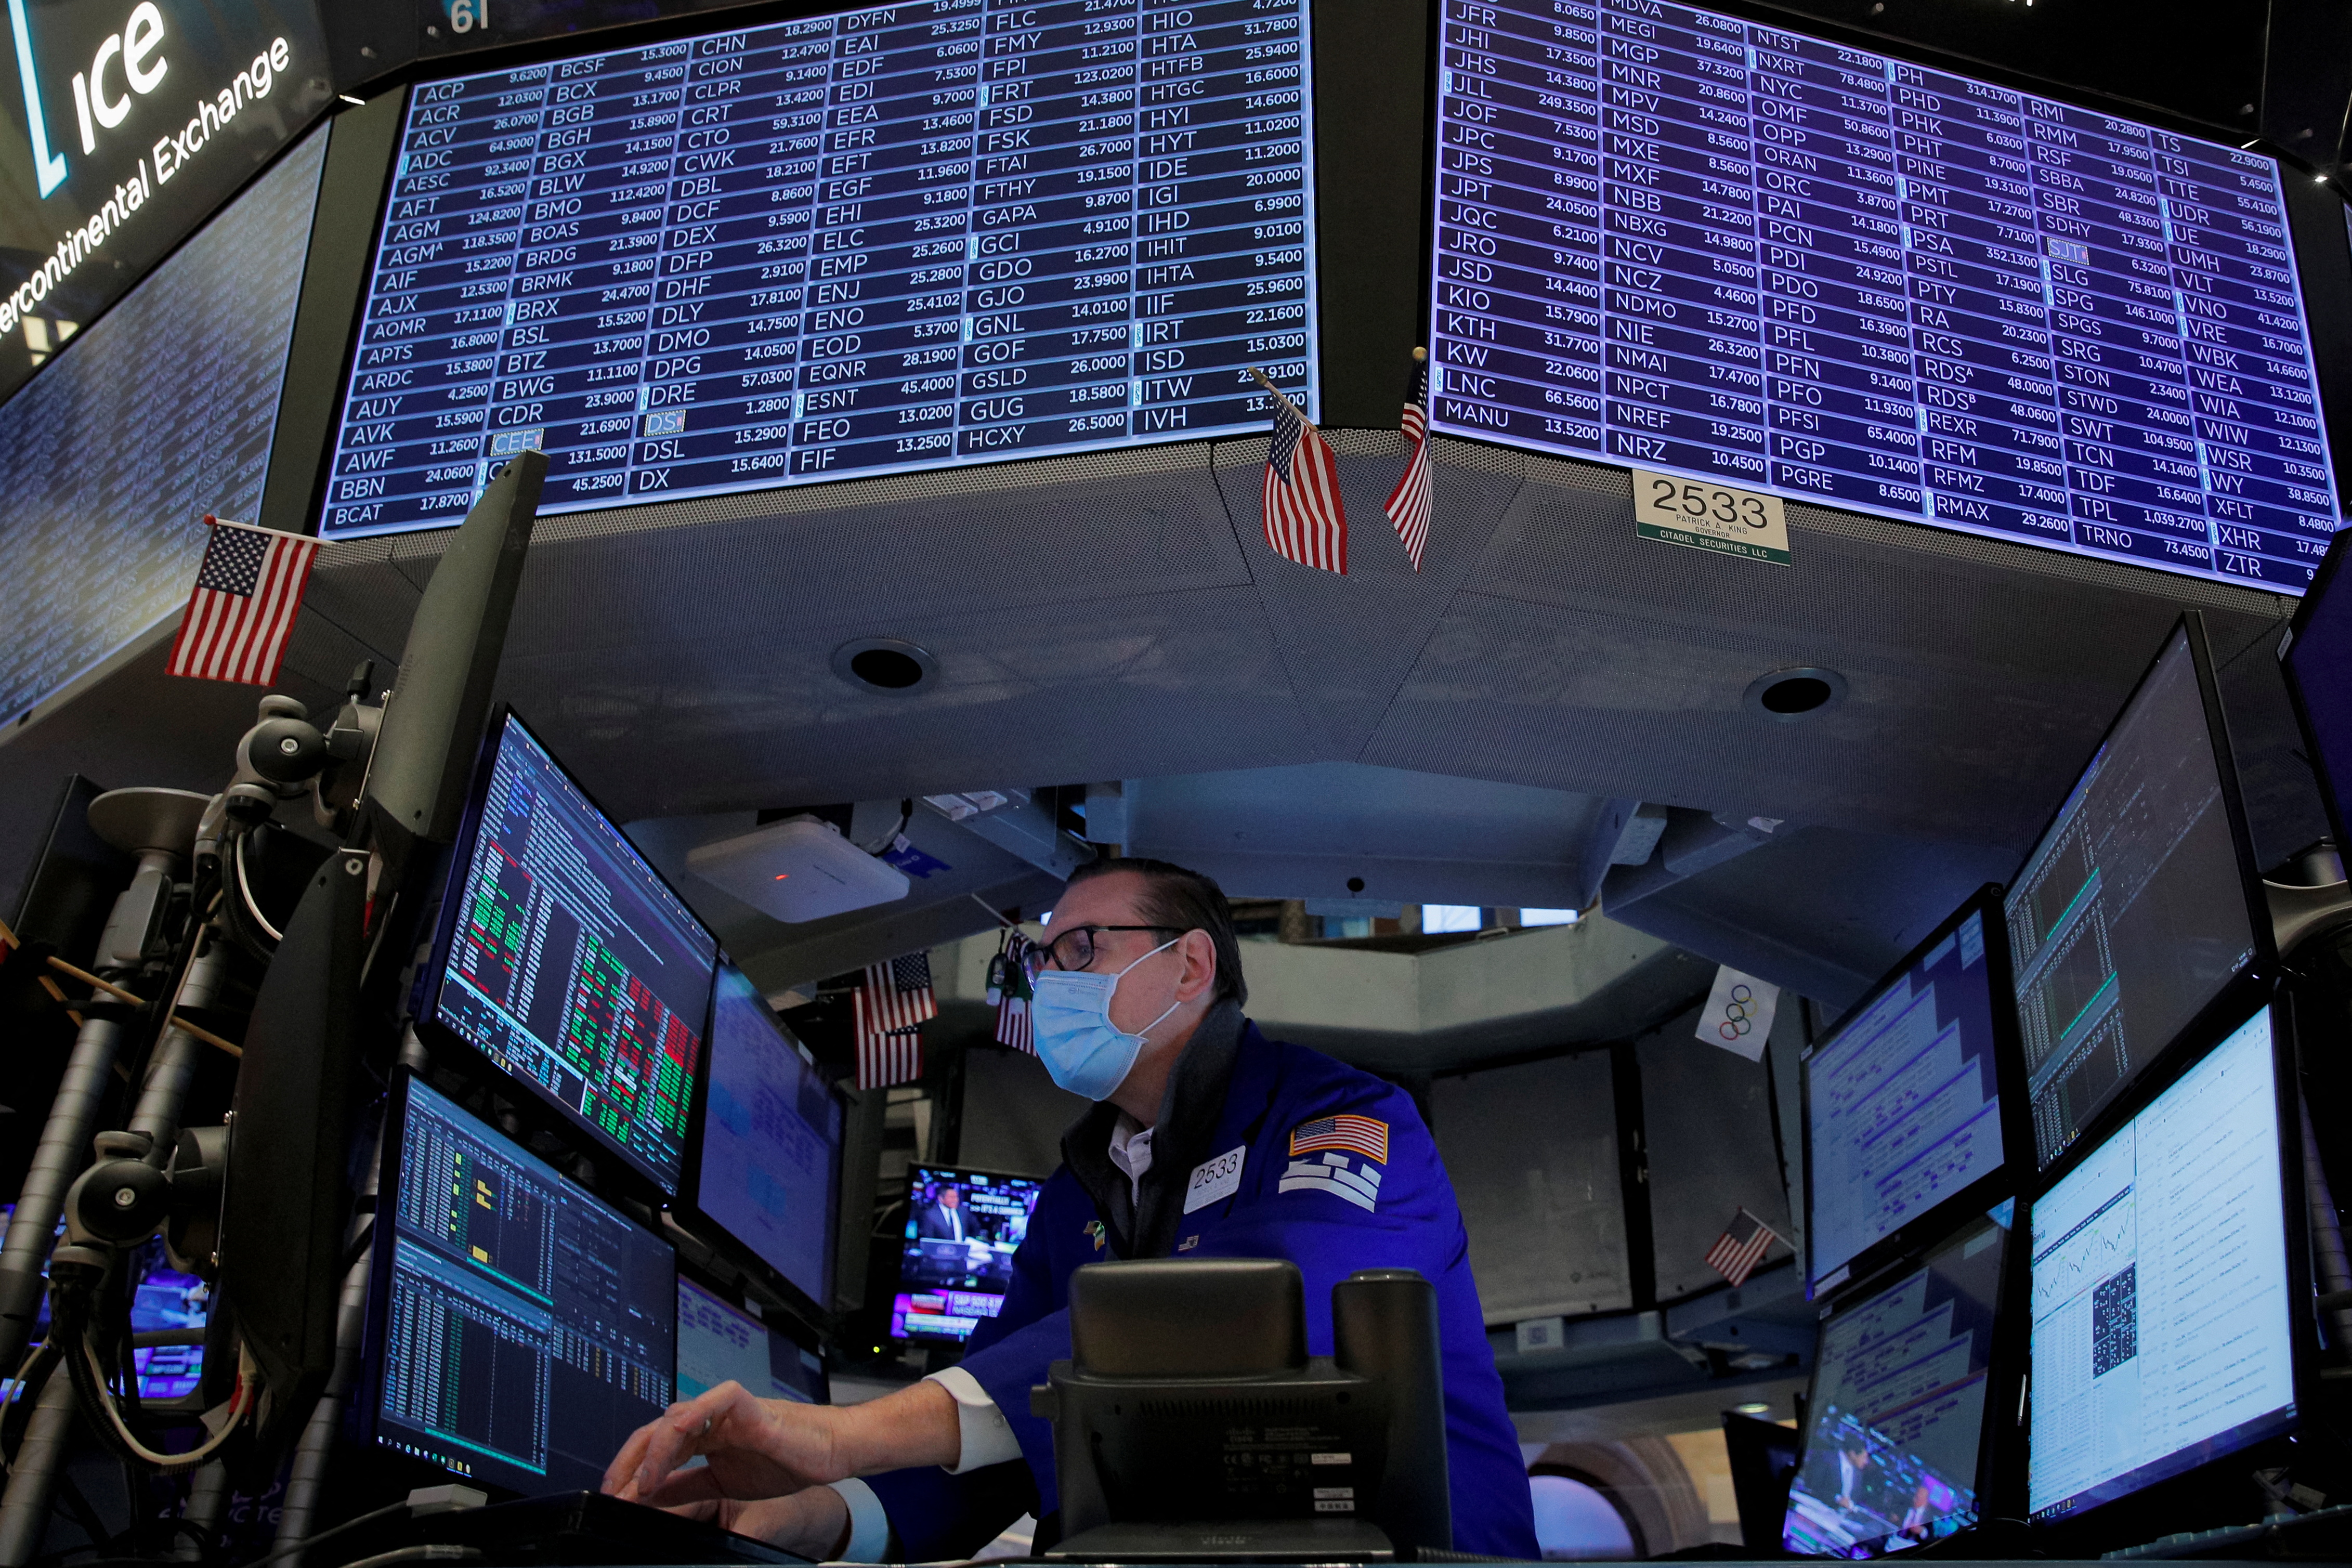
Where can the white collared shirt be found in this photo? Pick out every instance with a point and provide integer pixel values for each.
(1130, 1151)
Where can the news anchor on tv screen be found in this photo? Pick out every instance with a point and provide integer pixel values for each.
(1207, 1140)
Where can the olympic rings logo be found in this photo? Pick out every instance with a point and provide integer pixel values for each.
(1738, 1017)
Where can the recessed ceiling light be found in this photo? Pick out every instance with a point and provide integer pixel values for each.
(1786, 696)
(1753, 1407)
(885, 663)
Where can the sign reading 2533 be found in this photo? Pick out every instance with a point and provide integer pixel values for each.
(131, 124)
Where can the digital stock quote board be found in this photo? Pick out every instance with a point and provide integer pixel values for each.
(1678, 240)
(877, 240)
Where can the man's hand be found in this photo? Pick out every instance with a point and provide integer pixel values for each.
(768, 1448)
(756, 1449)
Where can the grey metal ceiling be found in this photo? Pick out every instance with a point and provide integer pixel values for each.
(1117, 616)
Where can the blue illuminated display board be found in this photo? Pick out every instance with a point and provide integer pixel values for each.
(885, 239)
(1676, 239)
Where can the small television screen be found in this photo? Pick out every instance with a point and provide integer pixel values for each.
(770, 1168)
(1902, 1103)
(2131, 915)
(167, 1303)
(2162, 1335)
(1895, 1426)
(568, 961)
(720, 1343)
(962, 1229)
(524, 1328)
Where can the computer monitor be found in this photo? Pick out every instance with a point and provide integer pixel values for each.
(1903, 1115)
(768, 1170)
(565, 959)
(962, 1227)
(1903, 1380)
(2164, 1277)
(2138, 907)
(524, 1328)
(2317, 656)
(720, 1342)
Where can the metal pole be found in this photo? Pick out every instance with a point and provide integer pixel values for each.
(208, 1500)
(63, 1151)
(65, 1145)
(25, 1507)
(173, 1065)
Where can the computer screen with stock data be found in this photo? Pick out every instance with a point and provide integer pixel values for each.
(720, 1342)
(1713, 248)
(769, 1171)
(570, 963)
(1901, 1100)
(524, 1327)
(2130, 915)
(2161, 1309)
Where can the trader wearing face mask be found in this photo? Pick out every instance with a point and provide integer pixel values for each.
(1207, 1140)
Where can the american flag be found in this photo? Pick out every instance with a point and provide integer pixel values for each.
(1304, 519)
(247, 592)
(1740, 1248)
(1014, 1026)
(1409, 504)
(887, 1012)
(1365, 1135)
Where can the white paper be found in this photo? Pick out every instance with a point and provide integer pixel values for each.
(1215, 1179)
(1739, 1013)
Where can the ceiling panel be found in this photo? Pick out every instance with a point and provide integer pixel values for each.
(1119, 616)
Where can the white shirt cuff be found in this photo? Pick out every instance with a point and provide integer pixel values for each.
(987, 1435)
(870, 1527)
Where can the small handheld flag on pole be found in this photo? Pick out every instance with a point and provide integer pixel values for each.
(1009, 990)
(247, 592)
(1740, 1248)
(1409, 504)
(888, 1011)
(1304, 519)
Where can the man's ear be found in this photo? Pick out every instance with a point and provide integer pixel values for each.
(1200, 975)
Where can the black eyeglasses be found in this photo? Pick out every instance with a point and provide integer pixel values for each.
(1073, 949)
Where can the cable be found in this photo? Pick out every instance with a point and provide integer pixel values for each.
(70, 1318)
(245, 890)
(432, 1551)
(40, 1364)
(283, 1552)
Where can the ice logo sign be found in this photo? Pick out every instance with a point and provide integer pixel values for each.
(133, 54)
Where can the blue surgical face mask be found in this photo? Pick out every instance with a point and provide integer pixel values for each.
(1070, 1014)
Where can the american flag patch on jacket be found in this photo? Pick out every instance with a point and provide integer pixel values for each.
(1365, 1135)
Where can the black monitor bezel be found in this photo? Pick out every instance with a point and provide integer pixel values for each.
(2001, 1448)
(425, 1006)
(2234, 995)
(1921, 1230)
(2331, 796)
(2302, 1344)
(364, 1416)
(687, 1207)
(918, 1171)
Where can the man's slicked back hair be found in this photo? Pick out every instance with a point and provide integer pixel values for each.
(1182, 899)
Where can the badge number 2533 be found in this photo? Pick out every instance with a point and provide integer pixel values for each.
(1706, 516)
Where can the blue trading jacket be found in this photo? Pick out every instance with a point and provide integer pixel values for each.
(1328, 1207)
